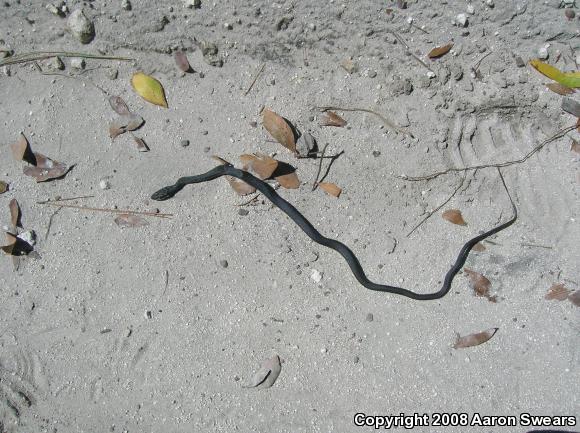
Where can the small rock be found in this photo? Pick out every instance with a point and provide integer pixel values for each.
(470, 9)
(210, 54)
(126, 5)
(204, 132)
(376, 153)
(543, 53)
(56, 64)
(78, 63)
(283, 23)
(316, 276)
(104, 184)
(54, 10)
(520, 62)
(254, 124)
(369, 317)
(349, 66)
(81, 27)
(305, 144)
(571, 106)
(113, 73)
(461, 20)
(356, 359)
(184, 143)
(148, 314)
(224, 263)
(431, 74)
(195, 4)
(490, 3)
(570, 14)
(372, 74)
(243, 212)
(228, 26)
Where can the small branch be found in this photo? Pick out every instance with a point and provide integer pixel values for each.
(97, 209)
(315, 183)
(40, 55)
(255, 79)
(535, 150)
(65, 199)
(475, 67)
(438, 207)
(50, 222)
(408, 50)
(386, 121)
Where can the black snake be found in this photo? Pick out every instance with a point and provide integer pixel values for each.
(355, 266)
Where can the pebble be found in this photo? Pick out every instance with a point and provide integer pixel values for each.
(78, 63)
(184, 143)
(520, 62)
(370, 317)
(195, 4)
(113, 73)
(470, 9)
(571, 106)
(372, 74)
(490, 3)
(228, 26)
(56, 64)
(570, 14)
(81, 27)
(356, 359)
(224, 263)
(431, 74)
(461, 20)
(543, 53)
(316, 276)
(126, 5)
(204, 132)
(54, 10)
(305, 144)
(243, 212)
(104, 184)
(376, 153)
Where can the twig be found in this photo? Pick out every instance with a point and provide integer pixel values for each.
(386, 121)
(315, 183)
(74, 77)
(537, 246)
(65, 199)
(166, 282)
(536, 149)
(475, 67)
(40, 55)
(50, 222)
(438, 207)
(97, 209)
(255, 79)
(408, 50)
(253, 199)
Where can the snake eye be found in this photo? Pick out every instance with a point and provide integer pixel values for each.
(161, 195)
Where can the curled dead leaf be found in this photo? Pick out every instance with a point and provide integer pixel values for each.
(279, 129)
(330, 118)
(474, 339)
(3, 187)
(330, 188)
(454, 216)
(127, 122)
(130, 220)
(181, 61)
(261, 164)
(22, 151)
(240, 187)
(557, 292)
(440, 51)
(479, 247)
(46, 169)
(575, 298)
(119, 105)
(141, 145)
(267, 374)
(15, 214)
(480, 284)
(560, 89)
(288, 181)
(116, 129)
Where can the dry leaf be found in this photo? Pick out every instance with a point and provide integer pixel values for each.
(22, 151)
(116, 129)
(278, 128)
(288, 181)
(181, 61)
(261, 164)
(128, 122)
(16, 246)
(149, 89)
(568, 79)
(575, 146)
(479, 247)
(440, 51)
(575, 298)
(15, 214)
(560, 89)
(454, 216)
(578, 125)
(141, 145)
(330, 188)
(330, 118)
(130, 220)
(241, 187)
(46, 169)
(267, 374)
(118, 105)
(474, 339)
(557, 292)
(3, 187)
(10, 243)
(480, 284)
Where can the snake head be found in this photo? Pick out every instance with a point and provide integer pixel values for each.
(165, 193)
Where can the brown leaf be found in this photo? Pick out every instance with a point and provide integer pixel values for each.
(440, 51)
(480, 284)
(479, 247)
(10, 243)
(289, 180)
(557, 292)
(261, 164)
(16, 246)
(119, 105)
(474, 339)
(278, 128)
(575, 146)
(133, 121)
(15, 214)
(130, 220)
(46, 169)
(240, 187)
(267, 374)
(560, 89)
(22, 151)
(330, 188)
(127, 122)
(330, 118)
(575, 298)
(3, 187)
(141, 145)
(181, 61)
(454, 216)
(116, 129)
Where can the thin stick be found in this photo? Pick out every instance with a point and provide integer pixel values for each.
(438, 207)
(408, 50)
(40, 55)
(98, 209)
(50, 222)
(255, 79)
(475, 67)
(74, 77)
(65, 199)
(386, 121)
(535, 150)
(537, 246)
(253, 199)
(315, 183)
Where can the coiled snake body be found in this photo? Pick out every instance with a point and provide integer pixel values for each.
(355, 266)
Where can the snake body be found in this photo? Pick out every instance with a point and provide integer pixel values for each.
(355, 266)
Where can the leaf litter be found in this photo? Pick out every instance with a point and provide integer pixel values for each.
(149, 89)
(279, 129)
(43, 168)
(480, 285)
(454, 216)
(474, 339)
(267, 374)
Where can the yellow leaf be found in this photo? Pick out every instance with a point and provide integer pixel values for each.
(568, 79)
(149, 89)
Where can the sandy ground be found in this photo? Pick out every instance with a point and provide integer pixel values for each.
(94, 338)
